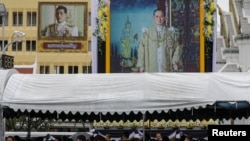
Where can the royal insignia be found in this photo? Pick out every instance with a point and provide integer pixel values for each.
(170, 42)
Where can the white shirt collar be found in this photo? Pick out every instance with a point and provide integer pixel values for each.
(159, 28)
(61, 24)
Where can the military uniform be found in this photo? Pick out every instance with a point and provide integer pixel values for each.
(62, 29)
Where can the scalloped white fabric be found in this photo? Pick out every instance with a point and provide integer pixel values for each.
(123, 92)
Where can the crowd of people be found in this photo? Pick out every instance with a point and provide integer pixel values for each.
(135, 136)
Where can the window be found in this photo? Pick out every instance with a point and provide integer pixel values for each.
(5, 20)
(73, 69)
(44, 69)
(89, 46)
(89, 18)
(17, 18)
(17, 46)
(31, 18)
(31, 45)
(5, 43)
(58, 69)
(86, 69)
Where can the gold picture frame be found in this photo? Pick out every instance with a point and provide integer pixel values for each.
(200, 60)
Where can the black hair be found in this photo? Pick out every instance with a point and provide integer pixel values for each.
(147, 137)
(125, 134)
(99, 138)
(159, 10)
(62, 7)
(58, 138)
(17, 138)
(189, 138)
(81, 137)
(165, 138)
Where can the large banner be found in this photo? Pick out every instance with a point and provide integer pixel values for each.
(155, 36)
(62, 26)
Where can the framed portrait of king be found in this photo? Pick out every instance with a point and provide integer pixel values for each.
(62, 26)
(156, 36)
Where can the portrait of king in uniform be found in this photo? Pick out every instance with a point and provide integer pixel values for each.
(62, 27)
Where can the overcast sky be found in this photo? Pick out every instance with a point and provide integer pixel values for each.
(224, 5)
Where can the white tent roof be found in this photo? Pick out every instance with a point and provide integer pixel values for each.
(125, 92)
(4, 76)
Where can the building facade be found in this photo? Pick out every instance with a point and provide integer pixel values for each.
(47, 55)
(234, 40)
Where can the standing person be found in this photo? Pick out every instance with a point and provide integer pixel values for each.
(158, 137)
(159, 49)
(61, 28)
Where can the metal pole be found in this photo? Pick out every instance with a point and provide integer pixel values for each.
(3, 20)
(170, 13)
(143, 119)
(29, 127)
(94, 47)
(214, 64)
(2, 126)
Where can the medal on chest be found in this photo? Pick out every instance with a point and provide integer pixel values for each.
(170, 42)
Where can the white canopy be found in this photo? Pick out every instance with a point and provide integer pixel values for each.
(123, 92)
(4, 76)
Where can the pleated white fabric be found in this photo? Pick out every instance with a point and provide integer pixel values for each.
(123, 92)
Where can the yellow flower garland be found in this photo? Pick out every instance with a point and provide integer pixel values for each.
(210, 8)
(102, 19)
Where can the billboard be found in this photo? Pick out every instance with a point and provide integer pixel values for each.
(63, 26)
(155, 36)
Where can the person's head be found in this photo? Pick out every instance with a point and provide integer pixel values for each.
(127, 25)
(61, 14)
(80, 138)
(10, 138)
(147, 137)
(107, 137)
(188, 138)
(58, 139)
(17, 138)
(91, 138)
(158, 136)
(159, 17)
(99, 138)
(182, 137)
(125, 136)
(165, 138)
(64, 138)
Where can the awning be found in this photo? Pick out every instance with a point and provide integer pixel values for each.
(124, 94)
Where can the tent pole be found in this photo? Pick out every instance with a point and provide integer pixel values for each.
(143, 118)
(232, 121)
(29, 127)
